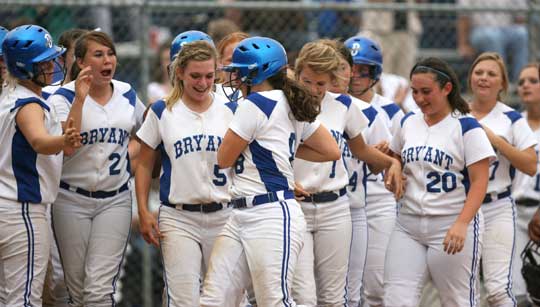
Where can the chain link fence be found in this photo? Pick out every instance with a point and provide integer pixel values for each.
(408, 30)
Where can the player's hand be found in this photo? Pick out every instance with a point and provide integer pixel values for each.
(82, 84)
(299, 192)
(534, 227)
(149, 228)
(393, 179)
(72, 137)
(383, 147)
(401, 94)
(455, 238)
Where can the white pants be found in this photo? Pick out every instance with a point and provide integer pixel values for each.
(416, 253)
(54, 292)
(321, 272)
(380, 227)
(524, 216)
(357, 257)
(24, 252)
(186, 245)
(92, 236)
(498, 252)
(258, 245)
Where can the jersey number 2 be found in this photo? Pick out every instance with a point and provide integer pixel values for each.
(115, 158)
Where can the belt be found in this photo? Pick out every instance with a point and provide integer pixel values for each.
(270, 197)
(494, 196)
(94, 194)
(325, 197)
(528, 202)
(203, 208)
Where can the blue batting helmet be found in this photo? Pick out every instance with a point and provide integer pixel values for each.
(3, 32)
(26, 46)
(366, 51)
(257, 59)
(187, 37)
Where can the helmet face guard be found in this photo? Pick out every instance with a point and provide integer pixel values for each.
(25, 47)
(531, 270)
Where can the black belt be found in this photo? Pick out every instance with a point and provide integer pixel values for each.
(251, 201)
(94, 194)
(488, 198)
(325, 197)
(203, 208)
(528, 202)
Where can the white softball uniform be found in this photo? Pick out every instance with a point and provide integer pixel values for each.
(321, 273)
(92, 214)
(28, 182)
(375, 133)
(499, 208)
(263, 237)
(526, 192)
(435, 160)
(381, 210)
(193, 190)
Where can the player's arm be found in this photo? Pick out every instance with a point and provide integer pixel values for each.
(319, 147)
(479, 176)
(82, 86)
(143, 177)
(30, 120)
(230, 149)
(379, 160)
(522, 160)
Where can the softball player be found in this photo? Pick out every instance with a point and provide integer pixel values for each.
(526, 189)
(263, 237)
(324, 260)
(445, 156)
(375, 133)
(3, 72)
(514, 144)
(92, 214)
(187, 37)
(193, 210)
(380, 203)
(31, 166)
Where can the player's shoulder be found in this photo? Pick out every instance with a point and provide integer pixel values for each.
(158, 107)
(267, 101)
(19, 96)
(340, 100)
(67, 91)
(467, 123)
(126, 90)
(47, 91)
(223, 103)
(412, 116)
(387, 105)
(508, 112)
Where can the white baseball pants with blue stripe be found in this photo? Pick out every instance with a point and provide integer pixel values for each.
(24, 252)
(259, 245)
(416, 253)
(498, 253)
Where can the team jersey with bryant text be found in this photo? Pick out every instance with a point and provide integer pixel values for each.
(188, 142)
(102, 163)
(266, 122)
(510, 125)
(390, 112)
(359, 173)
(345, 120)
(26, 176)
(435, 160)
(525, 186)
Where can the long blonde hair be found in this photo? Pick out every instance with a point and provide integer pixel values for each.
(320, 57)
(194, 51)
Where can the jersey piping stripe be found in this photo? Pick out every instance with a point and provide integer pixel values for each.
(467, 124)
(23, 161)
(391, 109)
(165, 180)
(370, 113)
(345, 100)
(270, 175)
(68, 94)
(30, 254)
(513, 116)
(24, 101)
(131, 96)
(70, 297)
(164, 266)
(266, 105)
(158, 107)
(286, 252)
(405, 118)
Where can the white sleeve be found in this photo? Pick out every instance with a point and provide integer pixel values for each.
(356, 121)
(395, 122)
(149, 130)
(308, 129)
(477, 146)
(377, 132)
(396, 145)
(523, 135)
(61, 105)
(247, 120)
(139, 114)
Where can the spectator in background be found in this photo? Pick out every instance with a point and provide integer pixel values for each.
(503, 33)
(338, 24)
(161, 84)
(399, 33)
(220, 28)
